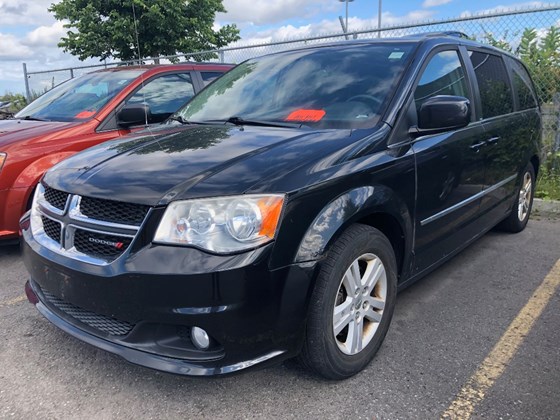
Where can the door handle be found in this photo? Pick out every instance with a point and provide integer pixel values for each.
(493, 140)
(476, 147)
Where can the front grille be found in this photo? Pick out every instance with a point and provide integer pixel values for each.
(52, 229)
(113, 211)
(92, 230)
(100, 245)
(102, 323)
(56, 198)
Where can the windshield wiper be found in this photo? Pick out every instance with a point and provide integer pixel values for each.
(30, 118)
(180, 119)
(259, 123)
(183, 121)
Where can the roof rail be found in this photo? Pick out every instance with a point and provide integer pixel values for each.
(456, 34)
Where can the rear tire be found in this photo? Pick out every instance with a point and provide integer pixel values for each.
(519, 216)
(352, 304)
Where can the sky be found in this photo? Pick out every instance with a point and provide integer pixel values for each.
(29, 33)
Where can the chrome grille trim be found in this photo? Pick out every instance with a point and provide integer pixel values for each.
(51, 196)
(76, 214)
(52, 209)
(42, 237)
(113, 211)
(54, 231)
(72, 221)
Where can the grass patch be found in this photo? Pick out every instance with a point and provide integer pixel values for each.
(548, 185)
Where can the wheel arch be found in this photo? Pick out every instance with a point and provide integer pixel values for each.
(378, 207)
(390, 227)
(30, 175)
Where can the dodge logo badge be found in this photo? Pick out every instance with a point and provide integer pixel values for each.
(117, 245)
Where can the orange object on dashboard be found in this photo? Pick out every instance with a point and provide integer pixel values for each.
(84, 114)
(311, 115)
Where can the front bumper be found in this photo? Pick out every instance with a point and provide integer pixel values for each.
(11, 208)
(254, 315)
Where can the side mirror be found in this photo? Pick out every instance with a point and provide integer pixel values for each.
(442, 113)
(133, 114)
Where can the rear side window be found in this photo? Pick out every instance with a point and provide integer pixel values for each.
(493, 84)
(209, 76)
(444, 75)
(523, 86)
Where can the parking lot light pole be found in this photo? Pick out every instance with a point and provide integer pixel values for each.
(346, 24)
(379, 7)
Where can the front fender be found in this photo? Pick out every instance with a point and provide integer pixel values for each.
(30, 176)
(351, 207)
(17, 195)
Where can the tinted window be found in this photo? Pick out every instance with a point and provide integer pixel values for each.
(343, 87)
(523, 86)
(209, 76)
(493, 84)
(444, 75)
(164, 95)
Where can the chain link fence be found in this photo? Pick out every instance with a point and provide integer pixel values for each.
(531, 33)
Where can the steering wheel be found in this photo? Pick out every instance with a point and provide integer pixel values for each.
(370, 99)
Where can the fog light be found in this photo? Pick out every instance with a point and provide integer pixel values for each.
(200, 338)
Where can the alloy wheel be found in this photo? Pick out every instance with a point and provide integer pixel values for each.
(359, 304)
(525, 195)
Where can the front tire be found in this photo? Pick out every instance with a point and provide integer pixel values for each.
(352, 304)
(519, 216)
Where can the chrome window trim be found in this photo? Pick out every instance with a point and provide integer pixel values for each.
(469, 200)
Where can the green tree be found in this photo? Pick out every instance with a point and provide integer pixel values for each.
(17, 101)
(108, 28)
(541, 55)
(528, 49)
(489, 38)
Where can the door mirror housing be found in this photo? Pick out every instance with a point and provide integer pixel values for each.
(133, 114)
(442, 113)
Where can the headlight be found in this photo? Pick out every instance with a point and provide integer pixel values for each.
(221, 225)
(2, 159)
(36, 222)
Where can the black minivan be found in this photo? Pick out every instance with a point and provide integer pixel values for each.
(277, 214)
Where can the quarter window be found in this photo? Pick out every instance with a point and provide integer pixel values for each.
(444, 75)
(523, 86)
(164, 95)
(493, 84)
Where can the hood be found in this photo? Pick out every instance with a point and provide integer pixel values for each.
(155, 168)
(17, 130)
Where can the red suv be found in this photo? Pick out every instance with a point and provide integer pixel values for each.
(83, 112)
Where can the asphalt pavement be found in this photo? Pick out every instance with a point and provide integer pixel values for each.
(444, 328)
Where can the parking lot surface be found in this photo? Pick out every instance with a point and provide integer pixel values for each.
(444, 328)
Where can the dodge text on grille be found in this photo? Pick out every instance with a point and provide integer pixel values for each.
(117, 245)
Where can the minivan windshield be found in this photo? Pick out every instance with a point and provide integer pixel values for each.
(79, 98)
(346, 86)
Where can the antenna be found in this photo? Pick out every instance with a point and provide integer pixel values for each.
(136, 33)
(139, 61)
